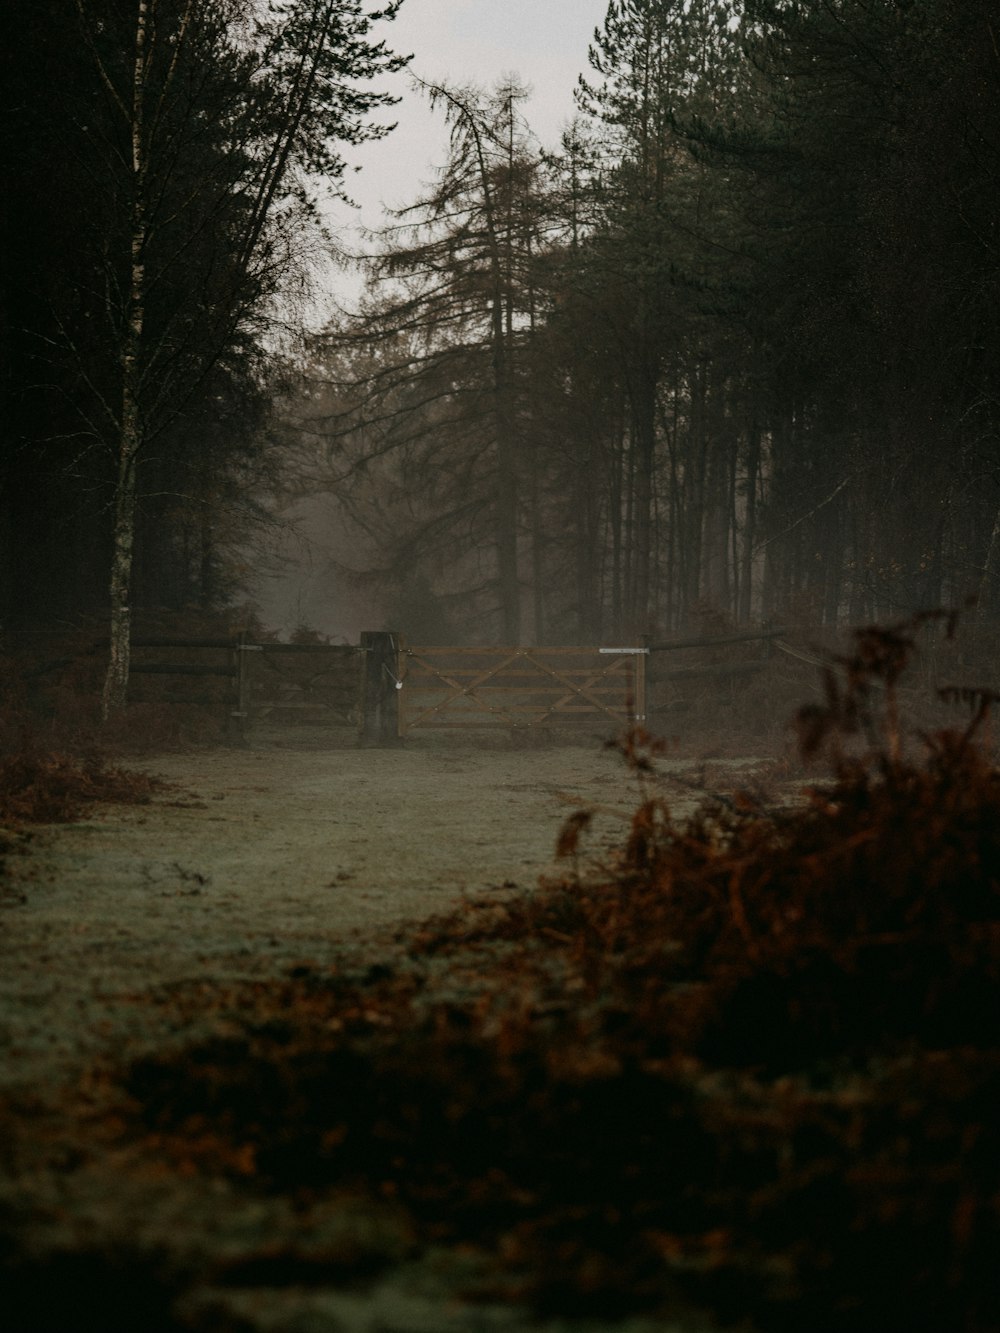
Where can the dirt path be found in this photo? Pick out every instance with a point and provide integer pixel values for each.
(113, 929)
(258, 859)
(262, 858)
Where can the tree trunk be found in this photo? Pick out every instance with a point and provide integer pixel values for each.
(616, 515)
(749, 524)
(116, 679)
(130, 431)
(506, 508)
(643, 450)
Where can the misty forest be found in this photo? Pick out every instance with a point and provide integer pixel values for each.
(732, 344)
(586, 915)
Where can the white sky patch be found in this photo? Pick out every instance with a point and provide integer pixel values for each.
(543, 42)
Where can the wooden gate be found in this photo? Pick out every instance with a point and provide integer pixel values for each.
(524, 689)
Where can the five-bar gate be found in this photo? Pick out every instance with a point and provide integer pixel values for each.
(523, 689)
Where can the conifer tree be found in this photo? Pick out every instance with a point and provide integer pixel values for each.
(452, 313)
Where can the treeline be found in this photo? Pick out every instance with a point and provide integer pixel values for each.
(734, 349)
(159, 160)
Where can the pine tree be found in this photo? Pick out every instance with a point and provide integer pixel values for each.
(659, 66)
(451, 318)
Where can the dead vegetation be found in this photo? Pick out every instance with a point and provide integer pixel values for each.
(43, 786)
(751, 1075)
(58, 758)
(51, 681)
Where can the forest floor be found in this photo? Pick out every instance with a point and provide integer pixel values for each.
(251, 866)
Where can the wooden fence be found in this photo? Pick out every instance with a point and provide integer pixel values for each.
(264, 686)
(385, 690)
(417, 688)
(255, 687)
(298, 685)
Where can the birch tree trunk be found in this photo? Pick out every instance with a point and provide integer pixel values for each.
(194, 116)
(131, 429)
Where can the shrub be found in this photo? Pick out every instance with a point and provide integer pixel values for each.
(39, 785)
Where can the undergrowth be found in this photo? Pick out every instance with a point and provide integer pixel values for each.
(41, 785)
(57, 756)
(752, 1070)
(51, 685)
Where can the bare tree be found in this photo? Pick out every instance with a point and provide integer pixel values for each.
(212, 116)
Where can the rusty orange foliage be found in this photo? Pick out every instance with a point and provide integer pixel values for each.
(45, 786)
(753, 1070)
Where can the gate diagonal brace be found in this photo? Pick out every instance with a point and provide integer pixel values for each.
(581, 691)
(623, 665)
(458, 690)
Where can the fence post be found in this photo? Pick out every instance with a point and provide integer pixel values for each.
(641, 706)
(380, 700)
(236, 728)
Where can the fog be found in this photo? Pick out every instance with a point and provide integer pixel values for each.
(308, 578)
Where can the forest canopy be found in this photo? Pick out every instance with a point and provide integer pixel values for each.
(732, 348)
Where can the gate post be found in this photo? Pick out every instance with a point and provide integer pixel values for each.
(380, 701)
(640, 705)
(236, 721)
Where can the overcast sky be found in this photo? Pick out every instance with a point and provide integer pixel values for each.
(543, 41)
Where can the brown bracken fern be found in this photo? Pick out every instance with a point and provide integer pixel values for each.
(753, 1069)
